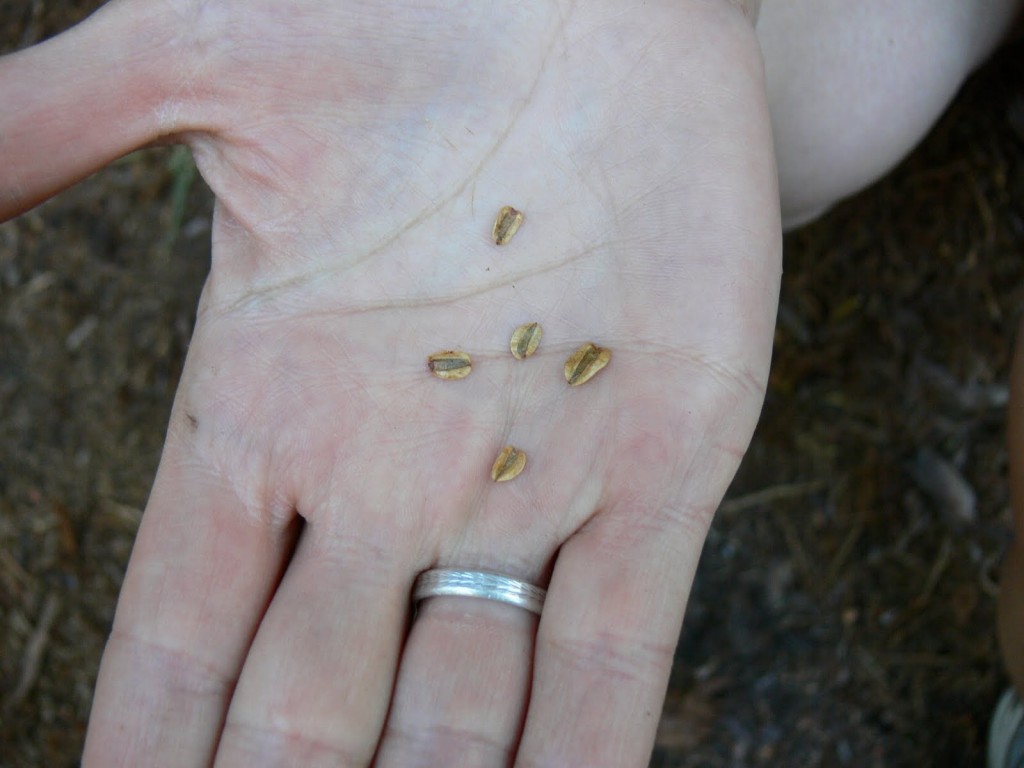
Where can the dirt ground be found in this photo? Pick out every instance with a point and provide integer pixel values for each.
(844, 610)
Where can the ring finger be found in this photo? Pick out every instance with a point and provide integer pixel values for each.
(464, 680)
(463, 685)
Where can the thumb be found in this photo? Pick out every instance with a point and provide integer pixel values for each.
(74, 103)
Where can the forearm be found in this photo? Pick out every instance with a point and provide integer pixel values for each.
(80, 100)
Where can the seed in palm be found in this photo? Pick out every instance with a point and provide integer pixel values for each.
(450, 365)
(525, 339)
(510, 462)
(585, 363)
(506, 224)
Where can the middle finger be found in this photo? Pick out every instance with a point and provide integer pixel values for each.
(315, 686)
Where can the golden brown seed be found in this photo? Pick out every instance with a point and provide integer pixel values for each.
(509, 464)
(506, 225)
(525, 339)
(450, 365)
(585, 362)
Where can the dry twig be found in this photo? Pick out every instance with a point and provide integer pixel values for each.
(33, 654)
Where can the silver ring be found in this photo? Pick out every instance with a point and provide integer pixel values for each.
(482, 584)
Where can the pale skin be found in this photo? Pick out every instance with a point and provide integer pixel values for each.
(313, 467)
(359, 153)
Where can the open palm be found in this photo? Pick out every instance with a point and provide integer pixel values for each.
(359, 153)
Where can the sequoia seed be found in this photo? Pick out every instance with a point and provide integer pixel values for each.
(450, 365)
(509, 464)
(585, 362)
(506, 225)
(525, 339)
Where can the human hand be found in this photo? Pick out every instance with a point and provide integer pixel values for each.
(313, 467)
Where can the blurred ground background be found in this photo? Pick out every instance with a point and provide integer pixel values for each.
(844, 611)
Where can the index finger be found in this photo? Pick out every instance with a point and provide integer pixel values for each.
(202, 571)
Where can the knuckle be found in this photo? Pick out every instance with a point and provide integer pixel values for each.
(614, 655)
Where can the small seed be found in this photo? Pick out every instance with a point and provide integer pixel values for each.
(506, 225)
(585, 362)
(509, 464)
(525, 339)
(450, 365)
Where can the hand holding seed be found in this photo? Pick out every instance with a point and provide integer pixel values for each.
(313, 468)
